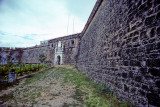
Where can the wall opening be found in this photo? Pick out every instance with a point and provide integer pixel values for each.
(58, 60)
(72, 42)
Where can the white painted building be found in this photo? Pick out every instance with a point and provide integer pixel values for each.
(58, 59)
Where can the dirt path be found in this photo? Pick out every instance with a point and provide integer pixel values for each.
(48, 91)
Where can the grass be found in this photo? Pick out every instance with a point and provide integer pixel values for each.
(31, 95)
(89, 93)
(31, 92)
(35, 77)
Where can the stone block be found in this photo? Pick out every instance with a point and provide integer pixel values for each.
(150, 21)
(158, 31)
(138, 78)
(153, 62)
(153, 99)
(154, 71)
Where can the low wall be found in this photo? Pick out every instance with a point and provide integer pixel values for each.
(31, 55)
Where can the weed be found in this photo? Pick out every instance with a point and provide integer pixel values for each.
(78, 95)
(89, 93)
(35, 77)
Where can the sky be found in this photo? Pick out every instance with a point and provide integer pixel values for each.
(25, 23)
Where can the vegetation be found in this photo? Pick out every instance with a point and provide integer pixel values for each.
(89, 93)
(86, 92)
(42, 58)
(20, 68)
(36, 77)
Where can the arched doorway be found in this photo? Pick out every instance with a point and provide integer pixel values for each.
(58, 60)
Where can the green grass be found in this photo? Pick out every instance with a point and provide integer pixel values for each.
(89, 93)
(35, 77)
(31, 95)
(86, 92)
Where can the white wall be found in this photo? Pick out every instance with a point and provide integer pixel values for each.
(58, 52)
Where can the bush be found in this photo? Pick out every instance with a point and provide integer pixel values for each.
(20, 68)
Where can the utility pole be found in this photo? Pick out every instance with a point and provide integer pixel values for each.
(73, 25)
(68, 25)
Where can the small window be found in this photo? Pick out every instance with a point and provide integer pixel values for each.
(52, 45)
(72, 42)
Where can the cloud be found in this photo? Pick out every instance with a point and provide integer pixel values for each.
(36, 16)
(12, 40)
(46, 18)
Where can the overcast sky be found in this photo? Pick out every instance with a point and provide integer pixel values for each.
(25, 23)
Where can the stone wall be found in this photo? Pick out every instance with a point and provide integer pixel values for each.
(31, 54)
(10, 54)
(121, 47)
(71, 51)
(69, 45)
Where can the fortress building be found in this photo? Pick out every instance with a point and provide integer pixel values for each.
(119, 46)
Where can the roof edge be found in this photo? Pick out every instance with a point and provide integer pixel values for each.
(93, 13)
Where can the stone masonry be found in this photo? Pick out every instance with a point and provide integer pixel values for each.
(119, 46)
(65, 47)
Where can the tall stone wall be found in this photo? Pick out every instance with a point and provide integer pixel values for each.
(121, 47)
(70, 52)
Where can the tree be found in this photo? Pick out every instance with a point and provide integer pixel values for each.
(42, 58)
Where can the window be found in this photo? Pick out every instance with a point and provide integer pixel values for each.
(63, 47)
(72, 42)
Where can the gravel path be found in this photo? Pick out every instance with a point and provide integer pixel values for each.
(48, 91)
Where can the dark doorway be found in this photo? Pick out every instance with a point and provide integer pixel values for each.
(58, 60)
